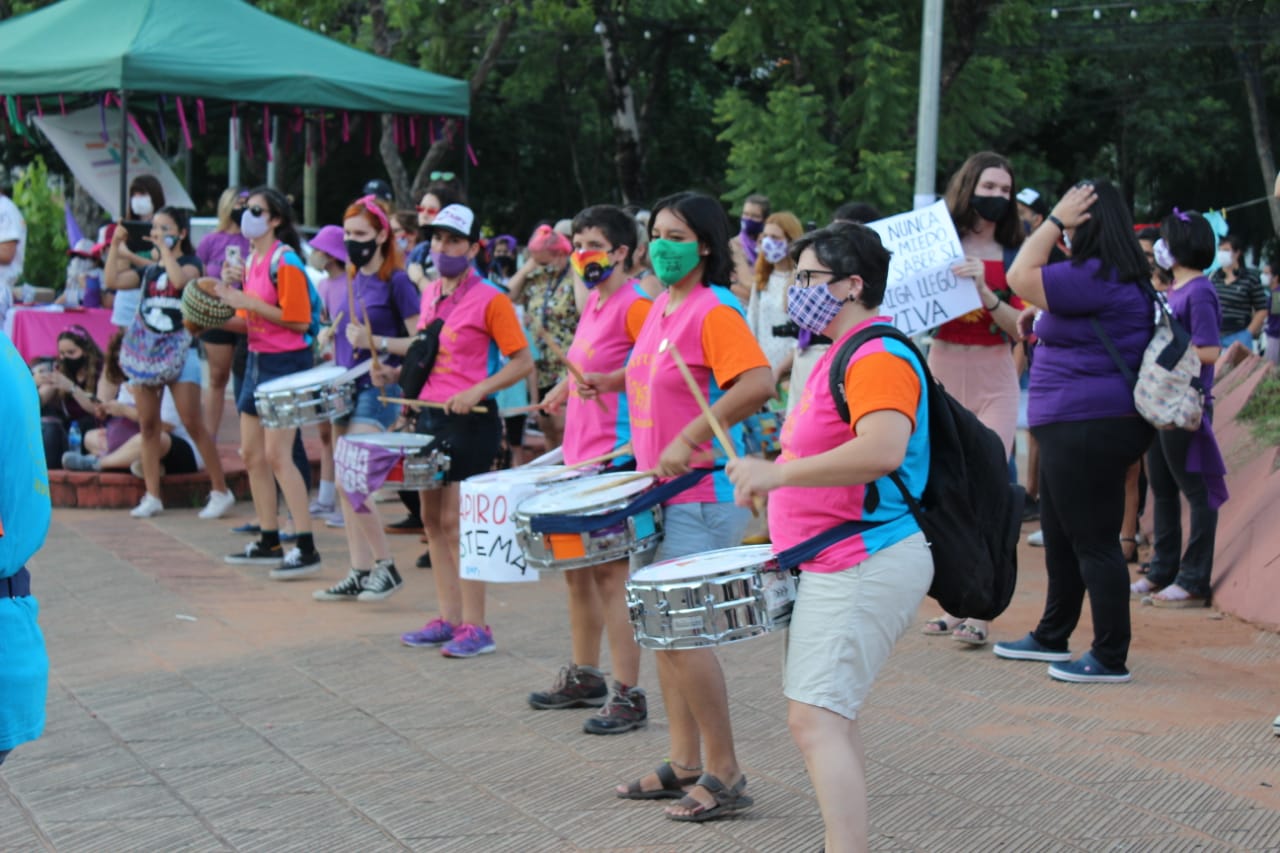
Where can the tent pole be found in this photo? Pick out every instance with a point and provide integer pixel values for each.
(308, 179)
(233, 152)
(274, 154)
(124, 154)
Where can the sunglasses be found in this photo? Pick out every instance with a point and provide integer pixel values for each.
(256, 210)
(443, 176)
(429, 211)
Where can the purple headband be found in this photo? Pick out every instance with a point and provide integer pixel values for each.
(370, 203)
(1183, 216)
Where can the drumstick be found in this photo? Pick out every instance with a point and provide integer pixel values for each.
(716, 427)
(355, 318)
(422, 404)
(573, 368)
(619, 481)
(586, 463)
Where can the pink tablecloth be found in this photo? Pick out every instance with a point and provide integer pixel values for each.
(35, 332)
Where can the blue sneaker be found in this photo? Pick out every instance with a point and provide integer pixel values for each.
(1087, 670)
(249, 528)
(469, 641)
(437, 632)
(1029, 649)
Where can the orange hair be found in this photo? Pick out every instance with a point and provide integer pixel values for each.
(391, 260)
(790, 226)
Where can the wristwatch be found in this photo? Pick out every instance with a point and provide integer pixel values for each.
(382, 347)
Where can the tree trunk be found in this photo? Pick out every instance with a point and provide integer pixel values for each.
(627, 142)
(88, 213)
(1257, 98)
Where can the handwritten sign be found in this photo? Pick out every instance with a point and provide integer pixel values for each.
(922, 292)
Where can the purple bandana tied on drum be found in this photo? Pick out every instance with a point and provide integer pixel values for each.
(361, 469)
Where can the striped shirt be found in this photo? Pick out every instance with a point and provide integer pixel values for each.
(1240, 299)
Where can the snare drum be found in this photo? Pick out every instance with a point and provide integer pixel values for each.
(366, 462)
(487, 525)
(307, 397)
(637, 534)
(710, 599)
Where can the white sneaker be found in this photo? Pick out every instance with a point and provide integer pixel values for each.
(218, 505)
(1036, 540)
(1275, 727)
(149, 505)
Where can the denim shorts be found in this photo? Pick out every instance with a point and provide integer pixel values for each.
(262, 367)
(191, 367)
(369, 410)
(691, 528)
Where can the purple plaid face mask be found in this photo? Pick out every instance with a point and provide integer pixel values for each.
(813, 307)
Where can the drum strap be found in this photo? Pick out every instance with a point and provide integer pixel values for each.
(646, 500)
(815, 545)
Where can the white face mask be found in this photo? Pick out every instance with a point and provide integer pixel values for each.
(253, 227)
(1265, 278)
(1226, 258)
(141, 205)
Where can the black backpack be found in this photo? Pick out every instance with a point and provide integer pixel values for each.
(970, 513)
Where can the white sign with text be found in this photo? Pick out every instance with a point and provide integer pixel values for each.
(922, 292)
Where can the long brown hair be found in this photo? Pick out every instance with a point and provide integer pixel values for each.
(960, 191)
(92, 369)
(790, 225)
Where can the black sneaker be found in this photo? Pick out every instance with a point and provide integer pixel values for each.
(627, 709)
(408, 525)
(424, 562)
(296, 565)
(382, 582)
(256, 554)
(575, 687)
(1031, 510)
(344, 590)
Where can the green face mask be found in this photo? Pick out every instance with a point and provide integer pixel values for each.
(673, 261)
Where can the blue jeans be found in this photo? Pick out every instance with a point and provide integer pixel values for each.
(4, 753)
(1242, 336)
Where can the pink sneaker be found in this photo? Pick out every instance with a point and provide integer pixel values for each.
(469, 641)
(434, 633)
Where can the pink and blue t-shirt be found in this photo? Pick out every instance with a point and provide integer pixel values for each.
(480, 327)
(882, 375)
(711, 333)
(290, 291)
(606, 333)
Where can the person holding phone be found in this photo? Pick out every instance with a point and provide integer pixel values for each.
(146, 196)
(224, 245)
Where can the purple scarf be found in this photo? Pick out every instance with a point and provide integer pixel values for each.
(1204, 458)
(361, 469)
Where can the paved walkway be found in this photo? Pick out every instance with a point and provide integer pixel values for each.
(195, 705)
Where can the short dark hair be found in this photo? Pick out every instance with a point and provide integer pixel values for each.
(959, 196)
(1150, 233)
(150, 185)
(618, 226)
(760, 199)
(856, 211)
(278, 206)
(1235, 241)
(710, 225)
(850, 248)
(1190, 239)
(1107, 236)
(182, 218)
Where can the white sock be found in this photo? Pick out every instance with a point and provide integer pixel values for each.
(327, 493)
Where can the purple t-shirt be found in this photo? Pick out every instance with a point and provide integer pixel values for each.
(1073, 377)
(1196, 307)
(390, 304)
(213, 250)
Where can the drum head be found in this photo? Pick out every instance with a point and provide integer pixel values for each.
(539, 474)
(322, 375)
(390, 439)
(584, 494)
(707, 564)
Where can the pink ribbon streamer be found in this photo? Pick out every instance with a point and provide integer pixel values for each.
(471, 154)
(346, 126)
(182, 121)
(200, 116)
(62, 106)
(266, 131)
(39, 109)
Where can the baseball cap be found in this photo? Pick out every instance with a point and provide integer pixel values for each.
(1032, 199)
(457, 219)
(379, 189)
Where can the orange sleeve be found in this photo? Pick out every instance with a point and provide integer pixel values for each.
(878, 382)
(293, 293)
(730, 348)
(636, 316)
(503, 325)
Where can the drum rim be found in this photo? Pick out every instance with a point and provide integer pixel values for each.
(380, 439)
(765, 548)
(602, 503)
(321, 379)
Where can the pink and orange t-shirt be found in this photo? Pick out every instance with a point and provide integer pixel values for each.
(480, 326)
(711, 333)
(606, 333)
(882, 375)
(290, 292)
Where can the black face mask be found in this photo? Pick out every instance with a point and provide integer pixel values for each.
(505, 264)
(237, 214)
(360, 252)
(74, 364)
(990, 207)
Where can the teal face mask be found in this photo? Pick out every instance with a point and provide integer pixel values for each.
(673, 261)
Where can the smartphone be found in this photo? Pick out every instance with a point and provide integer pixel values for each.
(232, 257)
(139, 234)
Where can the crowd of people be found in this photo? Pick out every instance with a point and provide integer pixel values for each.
(573, 329)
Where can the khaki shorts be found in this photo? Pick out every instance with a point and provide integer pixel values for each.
(845, 623)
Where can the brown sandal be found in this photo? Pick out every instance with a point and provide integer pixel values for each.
(727, 801)
(673, 786)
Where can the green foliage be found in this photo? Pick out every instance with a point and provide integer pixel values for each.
(45, 262)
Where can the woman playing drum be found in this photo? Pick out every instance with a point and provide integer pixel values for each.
(705, 323)
(857, 597)
(603, 238)
(386, 303)
(480, 328)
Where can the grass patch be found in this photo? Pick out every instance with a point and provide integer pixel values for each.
(1262, 412)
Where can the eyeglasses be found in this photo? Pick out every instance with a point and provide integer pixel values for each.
(443, 176)
(257, 210)
(804, 278)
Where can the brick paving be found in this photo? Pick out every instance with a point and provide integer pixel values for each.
(196, 705)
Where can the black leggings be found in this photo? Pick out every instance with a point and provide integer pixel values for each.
(1082, 472)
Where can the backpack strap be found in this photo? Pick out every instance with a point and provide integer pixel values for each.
(277, 256)
(1112, 351)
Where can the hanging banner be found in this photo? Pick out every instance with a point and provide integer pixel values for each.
(922, 292)
(96, 162)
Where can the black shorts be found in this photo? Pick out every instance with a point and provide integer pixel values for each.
(219, 336)
(473, 441)
(515, 429)
(181, 458)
